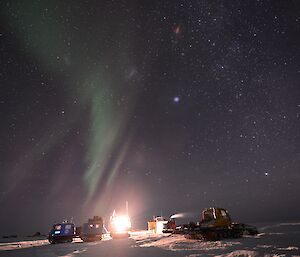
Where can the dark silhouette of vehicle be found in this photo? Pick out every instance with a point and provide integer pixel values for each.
(92, 230)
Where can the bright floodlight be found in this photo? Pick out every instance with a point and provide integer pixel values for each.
(121, 223)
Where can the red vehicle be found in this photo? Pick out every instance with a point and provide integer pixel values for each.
(170, 226)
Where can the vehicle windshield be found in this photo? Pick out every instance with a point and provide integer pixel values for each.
(57, 227)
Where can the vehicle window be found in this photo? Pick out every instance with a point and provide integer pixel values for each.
(223, 213)
(58, 227)
(208, 216)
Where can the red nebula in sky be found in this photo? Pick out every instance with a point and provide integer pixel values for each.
(177, 30)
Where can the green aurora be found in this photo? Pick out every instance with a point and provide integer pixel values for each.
(97, 83)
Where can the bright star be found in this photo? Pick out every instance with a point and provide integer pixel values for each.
(176, 99)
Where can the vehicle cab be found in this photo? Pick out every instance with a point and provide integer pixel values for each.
(62, 233)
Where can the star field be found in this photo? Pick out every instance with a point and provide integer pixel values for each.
(172, 105)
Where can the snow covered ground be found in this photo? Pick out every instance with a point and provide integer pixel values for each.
(276, 240)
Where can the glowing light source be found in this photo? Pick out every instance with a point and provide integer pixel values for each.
(121, 223)
(176, 99)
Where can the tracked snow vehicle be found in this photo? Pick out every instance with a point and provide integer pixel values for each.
(62, 233)
(120, 226)
(216, 224)
(92, 230)
(169, 227)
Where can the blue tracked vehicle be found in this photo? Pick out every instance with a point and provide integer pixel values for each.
(62, 233)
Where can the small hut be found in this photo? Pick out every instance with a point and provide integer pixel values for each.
(156, 225)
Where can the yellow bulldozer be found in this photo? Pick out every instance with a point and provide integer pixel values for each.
(215, 224)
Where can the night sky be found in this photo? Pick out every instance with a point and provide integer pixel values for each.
(172, 105)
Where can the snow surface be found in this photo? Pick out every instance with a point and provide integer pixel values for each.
(277, 240)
